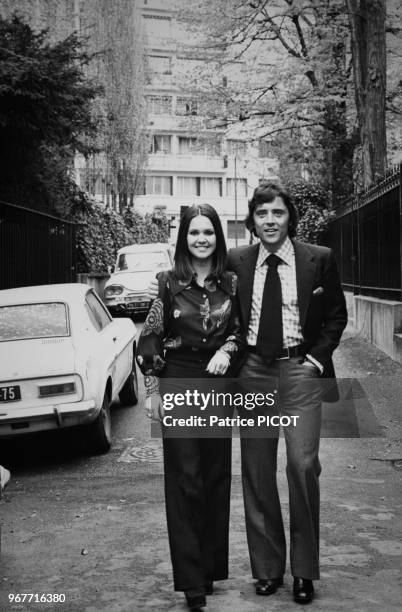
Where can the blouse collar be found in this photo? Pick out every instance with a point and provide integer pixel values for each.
(212, 281)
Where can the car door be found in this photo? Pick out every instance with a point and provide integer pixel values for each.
(111, 340)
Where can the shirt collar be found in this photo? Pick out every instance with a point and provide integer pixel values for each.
(286, 252)
(225, 282)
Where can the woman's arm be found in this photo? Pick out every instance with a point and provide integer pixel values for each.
(150, 351)
(150, 354)
(235, 341)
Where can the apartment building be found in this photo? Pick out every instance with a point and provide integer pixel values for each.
(191, 161)
(188, 160)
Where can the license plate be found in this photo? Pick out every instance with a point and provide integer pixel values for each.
(10, 394)
(134, 305)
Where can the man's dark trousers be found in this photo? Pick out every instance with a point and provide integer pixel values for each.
(299, 395)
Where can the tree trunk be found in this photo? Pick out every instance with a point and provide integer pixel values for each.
(367, 24)
(330, 53)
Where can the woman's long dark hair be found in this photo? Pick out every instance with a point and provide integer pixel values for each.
(182, 257)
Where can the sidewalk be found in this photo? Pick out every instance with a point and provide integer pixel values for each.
(361, 499)
(119, 520)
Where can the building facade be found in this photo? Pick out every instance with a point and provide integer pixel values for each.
(189, 160)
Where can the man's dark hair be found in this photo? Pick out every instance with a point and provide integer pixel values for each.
(267, 191)
(182, 258)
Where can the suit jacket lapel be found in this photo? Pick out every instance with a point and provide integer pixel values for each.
(305, 275)
(245, 273)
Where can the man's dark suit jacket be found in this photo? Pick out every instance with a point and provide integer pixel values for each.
(322, 307)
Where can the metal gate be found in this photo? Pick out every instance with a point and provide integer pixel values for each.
(35, 248)
(366, 237)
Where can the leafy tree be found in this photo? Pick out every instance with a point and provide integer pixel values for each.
(119, 65)
(289, 78)
(314, 208)
(294, 76)
(45, 115)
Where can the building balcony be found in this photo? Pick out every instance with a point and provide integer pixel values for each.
(166, 123)
(185, 163)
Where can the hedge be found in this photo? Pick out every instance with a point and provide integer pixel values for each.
(101, 232)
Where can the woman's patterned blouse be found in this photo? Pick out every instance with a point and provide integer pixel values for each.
(192, 317)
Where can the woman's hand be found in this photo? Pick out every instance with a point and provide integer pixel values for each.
(154, 408)
(219, 363)
(152, 290)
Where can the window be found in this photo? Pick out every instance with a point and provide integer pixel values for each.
(199, 186)
(186, 106)
(99, 316)
(188, 186)
(158, 185)
(159, 105)
(236, 148)
(186, 145)
(142, 262)
(266, 148)
(25, 321)
(209, 147)
(157, 26)
(241, 187)
(161, 143)
(211, 187)
(236, 229)
(160, 64)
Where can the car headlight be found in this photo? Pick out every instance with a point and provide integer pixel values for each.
(57, 389)
(113, 290)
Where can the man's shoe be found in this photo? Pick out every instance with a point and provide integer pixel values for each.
(209, 587)
(269, 586)
(303, 590)
(195, 599)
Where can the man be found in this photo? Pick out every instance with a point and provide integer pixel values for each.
(293, 311)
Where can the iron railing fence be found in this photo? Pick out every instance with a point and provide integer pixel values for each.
(366, 236)
(35, 248)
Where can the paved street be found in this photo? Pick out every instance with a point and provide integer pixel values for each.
(93, 528)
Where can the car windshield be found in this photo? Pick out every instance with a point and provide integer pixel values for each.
(141, 262)
(25, 321)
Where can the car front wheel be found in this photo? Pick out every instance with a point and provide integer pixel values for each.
(129, 392)
(100, 431)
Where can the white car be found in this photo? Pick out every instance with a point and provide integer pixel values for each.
(125, 292)
(63, 360)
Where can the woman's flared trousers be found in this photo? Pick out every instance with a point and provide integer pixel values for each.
(197, 493)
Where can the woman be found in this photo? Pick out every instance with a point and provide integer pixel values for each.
(192, 332)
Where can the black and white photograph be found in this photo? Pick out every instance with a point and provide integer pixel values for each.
(200, 305)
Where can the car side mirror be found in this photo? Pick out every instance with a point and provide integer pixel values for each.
(110, 269)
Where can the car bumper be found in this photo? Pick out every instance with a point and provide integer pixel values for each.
(16, 421)
(128, 308)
